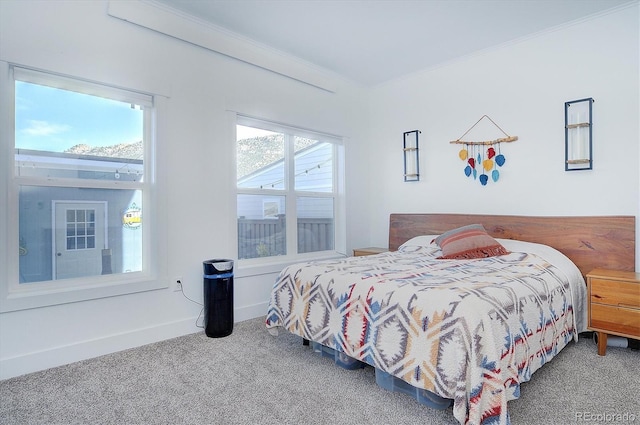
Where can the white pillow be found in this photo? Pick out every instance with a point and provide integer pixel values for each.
(424, 240)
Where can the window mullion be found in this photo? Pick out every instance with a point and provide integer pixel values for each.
(290, 198)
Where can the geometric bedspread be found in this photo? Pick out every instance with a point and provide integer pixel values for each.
(468, 330)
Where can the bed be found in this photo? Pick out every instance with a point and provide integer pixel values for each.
(468, 330)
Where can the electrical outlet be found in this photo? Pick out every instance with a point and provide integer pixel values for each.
(177, 284)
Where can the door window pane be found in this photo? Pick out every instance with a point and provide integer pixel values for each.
(78, 229)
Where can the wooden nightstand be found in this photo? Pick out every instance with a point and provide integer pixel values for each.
(359, 252)
(613, 305)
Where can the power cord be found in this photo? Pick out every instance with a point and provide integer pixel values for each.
(195, 302)
(179, 282)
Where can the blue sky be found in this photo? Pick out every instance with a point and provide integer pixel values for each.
(54, 120)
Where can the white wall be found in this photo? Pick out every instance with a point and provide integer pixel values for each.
(522, 86)
(195, 142)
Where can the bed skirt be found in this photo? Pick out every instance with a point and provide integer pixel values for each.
(384, 379)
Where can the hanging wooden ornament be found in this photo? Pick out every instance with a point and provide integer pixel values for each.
(479, 158)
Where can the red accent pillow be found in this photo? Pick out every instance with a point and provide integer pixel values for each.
(468, 242)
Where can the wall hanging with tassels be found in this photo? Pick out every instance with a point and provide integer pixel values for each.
(480, 158)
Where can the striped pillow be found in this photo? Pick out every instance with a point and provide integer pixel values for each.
(468, 242)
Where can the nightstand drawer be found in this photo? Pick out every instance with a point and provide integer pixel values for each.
(616, 293)
(615, 319)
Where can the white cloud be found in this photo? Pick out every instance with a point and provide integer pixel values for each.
(43, 128)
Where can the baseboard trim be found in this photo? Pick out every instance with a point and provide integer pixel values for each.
(83, 350)
(250, 312)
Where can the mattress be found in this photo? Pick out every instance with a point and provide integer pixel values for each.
(467, 330)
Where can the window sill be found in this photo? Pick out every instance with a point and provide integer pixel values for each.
(34, 295)
(261, 266)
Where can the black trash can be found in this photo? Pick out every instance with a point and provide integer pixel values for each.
(218, 297)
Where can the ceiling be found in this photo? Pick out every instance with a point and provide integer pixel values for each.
(373, 41)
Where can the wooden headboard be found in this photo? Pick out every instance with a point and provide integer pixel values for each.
(590, 242)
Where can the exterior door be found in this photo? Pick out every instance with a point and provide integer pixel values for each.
(80, 236)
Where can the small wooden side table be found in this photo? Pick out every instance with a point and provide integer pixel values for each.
(613, 305)
(359, 252)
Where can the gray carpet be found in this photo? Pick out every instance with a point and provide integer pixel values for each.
(251, 377)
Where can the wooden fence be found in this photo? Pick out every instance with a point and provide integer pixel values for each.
(267, 237)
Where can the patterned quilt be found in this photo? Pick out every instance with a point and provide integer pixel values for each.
(468, 330)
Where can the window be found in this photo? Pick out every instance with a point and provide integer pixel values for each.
(287, 190)
(80, 182)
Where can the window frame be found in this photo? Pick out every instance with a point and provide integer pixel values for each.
(259, 265)
(16, 296)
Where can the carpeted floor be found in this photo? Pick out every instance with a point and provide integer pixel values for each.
(251, 377)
